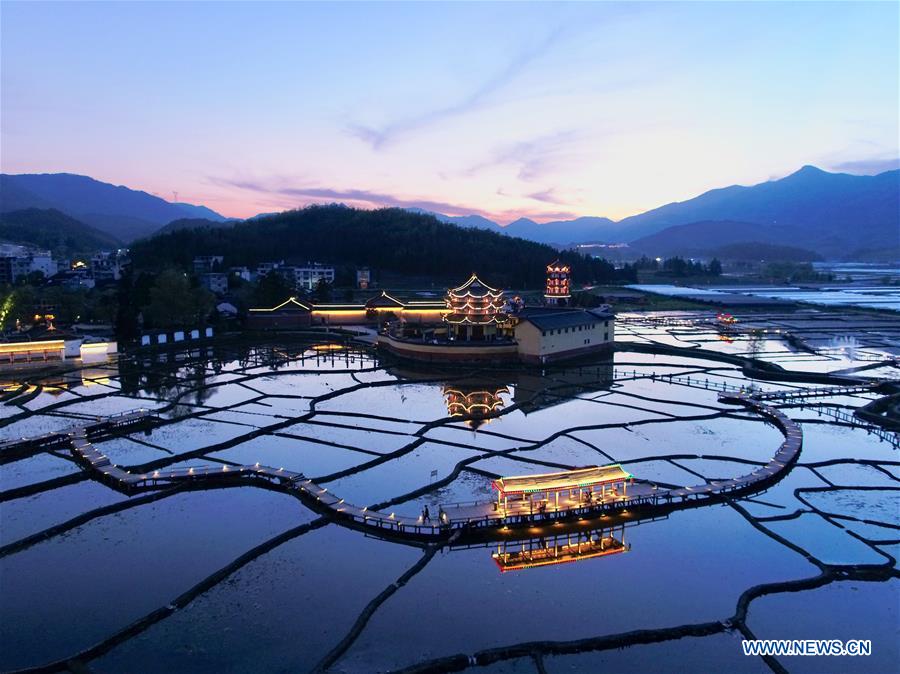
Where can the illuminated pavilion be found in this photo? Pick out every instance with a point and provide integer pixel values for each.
(567, 489)
(474, 310)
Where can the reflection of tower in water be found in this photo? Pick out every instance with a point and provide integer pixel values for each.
(475, 402)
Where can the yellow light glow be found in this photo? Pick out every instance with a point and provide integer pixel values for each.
(24, 347)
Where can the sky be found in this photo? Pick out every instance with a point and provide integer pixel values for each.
(540, 110)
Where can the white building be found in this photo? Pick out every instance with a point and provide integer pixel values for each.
(108, 265)
(43, 262)
(544, 335)
(308, 277)
(264, 268)
(18, 261)
(216, 282)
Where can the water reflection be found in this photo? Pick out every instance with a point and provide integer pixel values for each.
(561, 548)
(169, 374)
(514, 549)
(479, 398)
(369, 420)
(476, 402)
(540, 389)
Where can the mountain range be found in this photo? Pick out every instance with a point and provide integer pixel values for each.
(835, 215)
(121, 212)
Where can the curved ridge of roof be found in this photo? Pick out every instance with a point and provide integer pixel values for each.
(289, 301)
(476, 288)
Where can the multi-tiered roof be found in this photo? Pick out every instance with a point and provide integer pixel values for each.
(557, 280)
(475, 303)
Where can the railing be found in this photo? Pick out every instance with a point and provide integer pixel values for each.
(819, 392)
(461, 504)
(891, 437)
(858, 354)
(134, 412)
(403, 524)
(685, 380)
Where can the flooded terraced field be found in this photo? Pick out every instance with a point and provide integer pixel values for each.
(237, 576)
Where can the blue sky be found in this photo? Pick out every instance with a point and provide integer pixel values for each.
(506, 109)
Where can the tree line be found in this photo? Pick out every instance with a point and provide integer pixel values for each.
(390, 239)
(679, 267)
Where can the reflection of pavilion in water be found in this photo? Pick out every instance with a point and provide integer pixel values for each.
(475, 401)
(479, 398)
(559, 548)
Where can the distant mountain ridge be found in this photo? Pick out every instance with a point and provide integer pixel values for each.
(832, 214)
(124, 213)
(558, 232)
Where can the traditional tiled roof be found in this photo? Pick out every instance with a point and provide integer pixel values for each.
(552, 319)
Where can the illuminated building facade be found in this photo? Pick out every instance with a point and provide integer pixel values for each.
(294, 313)
(472, 324)
(28, 351)
(529, 493)
(474, 310)
(557, 290)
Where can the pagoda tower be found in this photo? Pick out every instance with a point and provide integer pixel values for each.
(474, 311)
(557, 288)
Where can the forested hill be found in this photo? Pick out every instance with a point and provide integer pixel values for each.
(51, 230)
(391, 240)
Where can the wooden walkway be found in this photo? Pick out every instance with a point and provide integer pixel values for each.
(784, 395)
(647, 498)
(817, 392)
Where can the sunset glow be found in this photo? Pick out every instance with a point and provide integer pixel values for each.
(538, 110)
